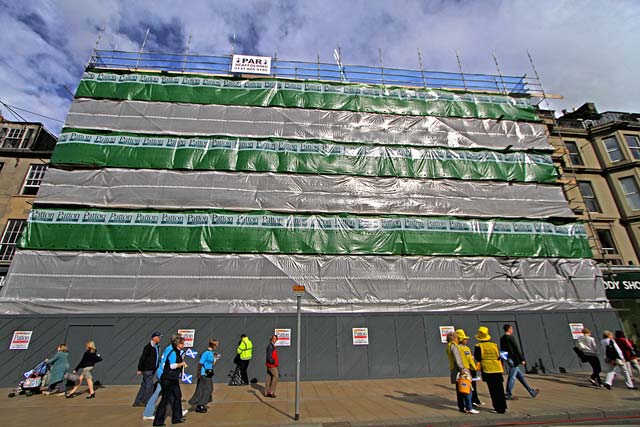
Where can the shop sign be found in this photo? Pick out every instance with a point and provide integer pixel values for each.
(622, 285)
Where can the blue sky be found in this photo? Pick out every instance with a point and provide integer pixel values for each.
(584, 50)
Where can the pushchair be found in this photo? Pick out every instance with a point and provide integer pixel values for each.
(236, 378)
(32, 380)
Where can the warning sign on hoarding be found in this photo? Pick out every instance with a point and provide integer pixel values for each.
(20, 340)
(576, 330)
(284, 337)
(444, 330)
(360, 336)
(188, 335)
(251, 64)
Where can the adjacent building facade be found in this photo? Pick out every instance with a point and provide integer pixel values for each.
(598, 157)
(25, 150)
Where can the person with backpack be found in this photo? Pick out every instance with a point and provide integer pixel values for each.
(630, 358)
(204, 388)
(85, 369)
(172, 368)
(587, 345)
(614, 361)
(272, 368)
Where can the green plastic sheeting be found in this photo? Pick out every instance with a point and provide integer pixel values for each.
(302, 94)
(266, 232)
(112, 149)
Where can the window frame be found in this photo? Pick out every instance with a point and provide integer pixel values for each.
(619, 149)
(613, 250)
(7, 232)
(626, 195)
(593, 196)
(580, 161)
(634, 149)
(31, 176)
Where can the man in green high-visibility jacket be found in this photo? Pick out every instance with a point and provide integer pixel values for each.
(245, 351)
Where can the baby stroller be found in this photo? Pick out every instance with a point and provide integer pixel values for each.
(33, 380)
(236, 378)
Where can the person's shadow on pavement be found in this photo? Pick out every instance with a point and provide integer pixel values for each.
(429, 400)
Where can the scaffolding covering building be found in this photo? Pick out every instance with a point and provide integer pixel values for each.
(180, 187)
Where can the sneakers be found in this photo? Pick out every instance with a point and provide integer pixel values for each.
(632, 388)
(473, 411)
(184, 412)
(535, 392)
(511, 398)
(477, 405)
(594, 382)
(148, 418)
(607, 386)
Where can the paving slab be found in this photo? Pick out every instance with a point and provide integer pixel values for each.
(405, 402)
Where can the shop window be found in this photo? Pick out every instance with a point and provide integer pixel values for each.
(12, 233)
(589, 196)
(34, 179)
(631, 191)
(633, 141)
(574, 153)
(613, 149)
(606, 242)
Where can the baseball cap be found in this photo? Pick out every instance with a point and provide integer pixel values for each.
(156, 334)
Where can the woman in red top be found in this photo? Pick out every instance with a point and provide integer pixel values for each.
(272, 368)
(629, 355)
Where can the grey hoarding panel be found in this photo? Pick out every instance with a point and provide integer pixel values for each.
(68, 282)
(410, 346)
(125, 188)
(338, 126)
(438, 362)
(353, 360)
(383, 348)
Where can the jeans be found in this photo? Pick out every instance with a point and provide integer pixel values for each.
(515, 372)
(146, 388)
(617, 367)
(151, 403)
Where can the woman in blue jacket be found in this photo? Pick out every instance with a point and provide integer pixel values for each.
(59, 365)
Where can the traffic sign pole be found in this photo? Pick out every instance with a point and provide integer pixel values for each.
(298, 291)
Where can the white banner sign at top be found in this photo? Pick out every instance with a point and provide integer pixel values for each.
(251, 64)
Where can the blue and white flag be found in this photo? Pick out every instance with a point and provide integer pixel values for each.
(192, 354)
(504, 355)
(186, 378)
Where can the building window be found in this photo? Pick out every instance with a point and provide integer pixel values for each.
(606, 242)
(613, 148)
(589, 196)
(633, 141)
(10, 237)
(34, 179)
(11, 137)
(574, 153)
(631, 191)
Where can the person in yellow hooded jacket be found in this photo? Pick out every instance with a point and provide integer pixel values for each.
(456, 367)
(243, 357)
(469, 363)
(488, 355)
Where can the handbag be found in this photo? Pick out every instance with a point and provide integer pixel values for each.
(208, 373)
(71, 377)
(463, 384)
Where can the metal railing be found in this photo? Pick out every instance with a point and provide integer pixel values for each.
(332, 72)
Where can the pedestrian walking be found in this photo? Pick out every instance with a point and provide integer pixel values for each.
(488, 355)
(150, 408)
(147, 367)
(85, 369)
(469, 363)
(243, 357)
(272, 368)
(515, 363)
(629, 353)
(614, 361)
(59, 365)
(589, 349)
(202, 396)
(170, 383)
(457, 369)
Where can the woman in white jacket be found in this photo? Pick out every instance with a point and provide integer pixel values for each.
(587, 344)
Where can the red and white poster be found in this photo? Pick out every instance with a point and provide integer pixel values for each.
(20, 340)
(284, 337)
(360, 336)
(444, 330)
(576, 330)
(188, 335)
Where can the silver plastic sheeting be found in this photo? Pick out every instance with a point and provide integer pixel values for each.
(82, 282)
(338, 126)
(161, 189)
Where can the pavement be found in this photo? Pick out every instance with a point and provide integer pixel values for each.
(564, 399)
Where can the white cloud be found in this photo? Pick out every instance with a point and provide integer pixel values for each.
(586, 51)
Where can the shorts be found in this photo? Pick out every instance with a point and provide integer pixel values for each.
(86, 373)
